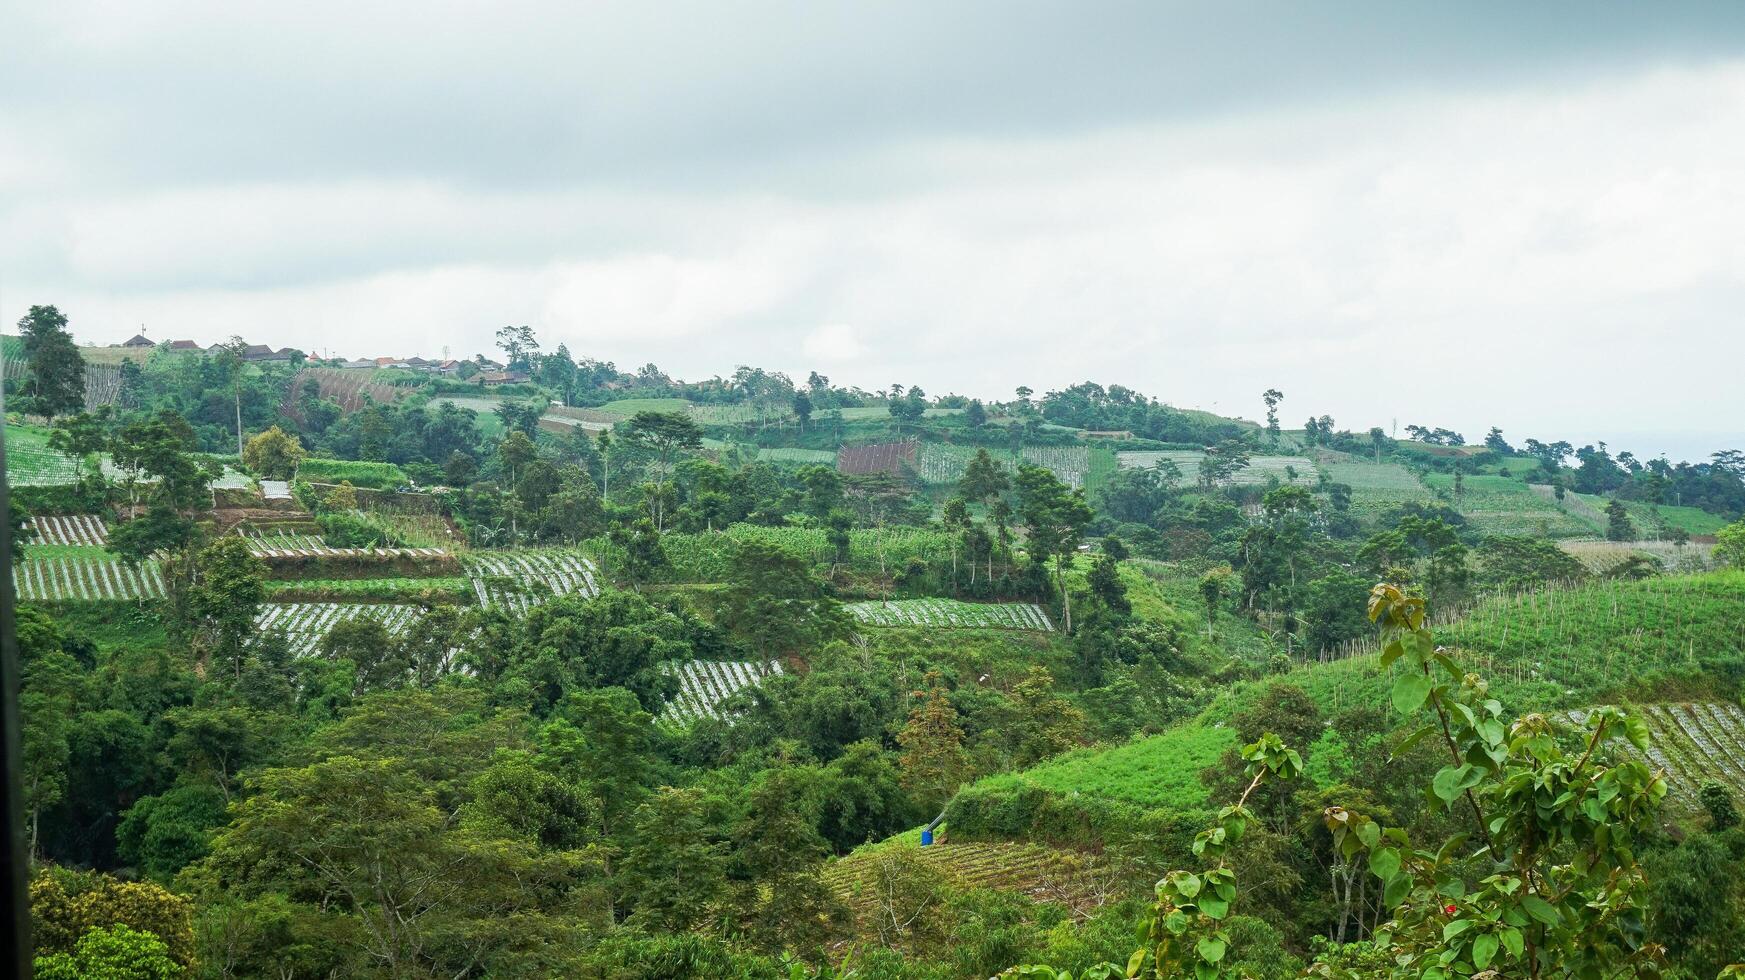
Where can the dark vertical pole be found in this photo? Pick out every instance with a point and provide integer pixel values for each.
(15, 952)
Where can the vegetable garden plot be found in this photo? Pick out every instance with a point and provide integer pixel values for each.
(941, 463)
(283, 544)
(1259, 471)
(500, 577)
(32, 462)
(1072, 878)
(895, 458)
(306, 624)
(47, 579)
(1603, 558)
(1505, 505)
(705, 684)
(351, 388)
(81, 530)
(951, 614)
(1694, 743)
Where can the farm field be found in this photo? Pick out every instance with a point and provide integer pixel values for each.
(708, 556)
(1654, 520)
(372, 476)
(1695, 743)
(1376, 488)
(705, 684)
(950, 614)
(1566, 646)
(519, 580)
(289, 545)
(1259, 471)
(1043, 873)
(46, 579)
(455, 588)
(1601, 557)
(1162, 771)
(85, 530)
(942, 463)
(894, 458)
(351, 389)
(814, 457)
(738, 414)
(1504, 505)
(623, 408)
(862, 413)
(32, 462)
(306, 624)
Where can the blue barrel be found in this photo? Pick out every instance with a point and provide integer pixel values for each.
(926, 836)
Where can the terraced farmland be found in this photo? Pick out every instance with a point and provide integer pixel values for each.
(282, 544)
(894, 458)
(45, 579)
(85, 530)
(32, 462)
(1260, 470)
(1160, 771)
(306, 624)
(1604, 558)
(1505, 505)
(705, 684)
(1695, 743)
(818, 457)
(351, 388)
(502, 578)
(1080, 881)
(1375, 487)
(941, 463)
(951, 614)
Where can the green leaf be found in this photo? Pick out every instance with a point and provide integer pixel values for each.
(1455, 928)
(1385, 863)
(1410, 690)
(1211, 949)
(1188, 885)
(1391, 653)
(1369, 832)
(1540, 909)
(1136, 961)
(1446, 783)
(1484, 949)
(1215, 908)
(1514, 942)
(1396, 890)
(1411, 740)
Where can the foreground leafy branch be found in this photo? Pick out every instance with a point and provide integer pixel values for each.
(1544, 882)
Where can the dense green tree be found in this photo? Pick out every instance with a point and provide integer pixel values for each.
(772, 605)
(675, 862)
(783, 902)
(57, 369)
(220, 590)
(1619, 527)
(1056, 518)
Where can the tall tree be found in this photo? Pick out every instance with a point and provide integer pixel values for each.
(934, 762)
(1272, 397)
(1056, 517)
(57, 369)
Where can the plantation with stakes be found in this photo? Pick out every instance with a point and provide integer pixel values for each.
(94, 579)
(950, 614)
(306, 624)
(519, 580)
(704, 685)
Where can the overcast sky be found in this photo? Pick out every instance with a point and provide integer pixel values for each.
(1458, 214)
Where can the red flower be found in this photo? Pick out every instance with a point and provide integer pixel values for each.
(1449, 909)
